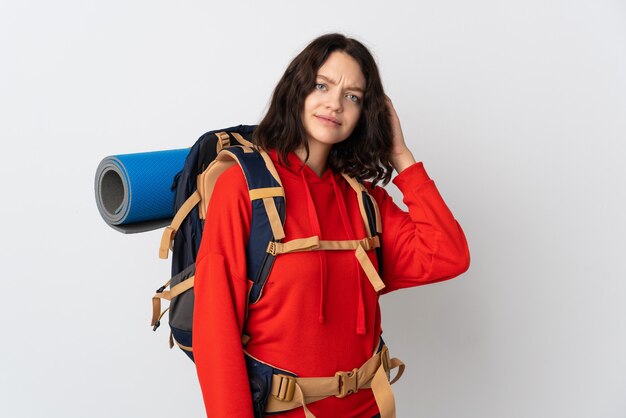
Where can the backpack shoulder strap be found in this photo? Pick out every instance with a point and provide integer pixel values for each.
(370, 214)
(268, 206)
(268, 215)
(368, 206)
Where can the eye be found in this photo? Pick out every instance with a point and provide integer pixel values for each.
(353, 98)
(320, 86)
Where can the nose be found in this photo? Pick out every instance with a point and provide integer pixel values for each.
(334, 102)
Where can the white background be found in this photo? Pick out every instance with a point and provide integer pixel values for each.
(517, 109)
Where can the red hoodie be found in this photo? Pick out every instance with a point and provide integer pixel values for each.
(319, 313)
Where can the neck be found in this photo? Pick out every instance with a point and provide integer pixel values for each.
(318, 156)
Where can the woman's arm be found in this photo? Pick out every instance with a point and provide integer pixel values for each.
(425, 244)
(220, 293)
(401, 156)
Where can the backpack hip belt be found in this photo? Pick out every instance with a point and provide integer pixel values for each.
(290, 392)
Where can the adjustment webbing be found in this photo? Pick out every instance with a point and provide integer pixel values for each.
(290, 392)
(369, 269)
(314, 243)
(168, 295)
(272, 214)
(266, 192)
(381, 388)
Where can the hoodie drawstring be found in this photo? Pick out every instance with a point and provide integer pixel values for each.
(349, 230)
(317, 230)
(360, 317)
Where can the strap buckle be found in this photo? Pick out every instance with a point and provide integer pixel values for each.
(271, 248)
(286, 388)
(371, 242)
(348, 383)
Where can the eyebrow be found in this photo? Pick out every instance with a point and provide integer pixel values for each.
(331, 81)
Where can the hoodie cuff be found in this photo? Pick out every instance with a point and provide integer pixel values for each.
(411, 177)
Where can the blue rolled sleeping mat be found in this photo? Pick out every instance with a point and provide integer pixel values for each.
(134, 191)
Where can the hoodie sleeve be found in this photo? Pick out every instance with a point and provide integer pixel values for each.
(425, 245)
(220, 291)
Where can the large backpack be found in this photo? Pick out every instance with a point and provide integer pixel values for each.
(213, 153)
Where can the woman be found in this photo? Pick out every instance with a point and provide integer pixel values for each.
(319, 314)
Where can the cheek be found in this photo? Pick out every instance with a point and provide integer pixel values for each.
(307, 109)
(312, 101)
(355, 116)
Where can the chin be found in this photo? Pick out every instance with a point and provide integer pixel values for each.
(325, 138)
(328, 142)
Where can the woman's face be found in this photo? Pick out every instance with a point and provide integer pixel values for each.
(332, 109)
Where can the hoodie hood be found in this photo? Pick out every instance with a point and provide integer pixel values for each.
(301, 172)
(297, 168)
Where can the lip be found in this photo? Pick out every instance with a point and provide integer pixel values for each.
(329, 119)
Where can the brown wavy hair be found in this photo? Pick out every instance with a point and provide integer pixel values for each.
(365, 153)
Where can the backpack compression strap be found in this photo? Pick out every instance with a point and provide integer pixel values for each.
(168, 234)
(168, 295)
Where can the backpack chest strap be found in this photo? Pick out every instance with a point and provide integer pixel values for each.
(314, 244)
